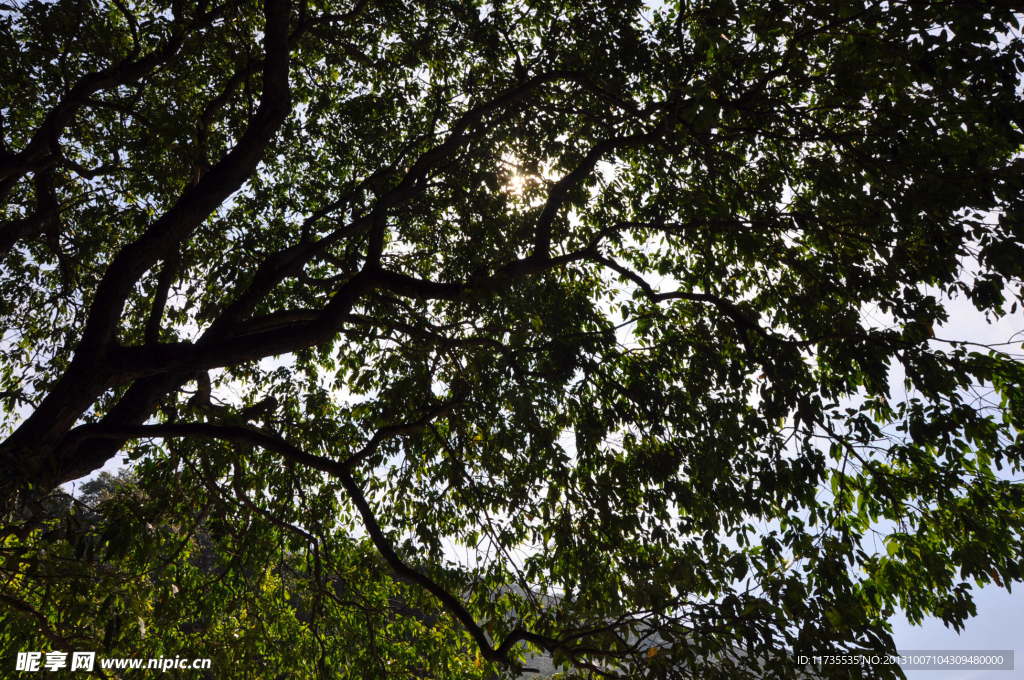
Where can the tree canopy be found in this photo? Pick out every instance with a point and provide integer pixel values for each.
(439, 333)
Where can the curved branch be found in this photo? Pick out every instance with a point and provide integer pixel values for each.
(394, 430)
(725, 306)
(45, 627)
(340, 471)
(559, 193)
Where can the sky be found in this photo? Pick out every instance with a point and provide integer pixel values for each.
(998, 625)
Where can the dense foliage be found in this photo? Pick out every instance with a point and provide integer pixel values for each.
(442, 333)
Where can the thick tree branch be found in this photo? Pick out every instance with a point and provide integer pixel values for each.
(88, 375)
(198, 202)
(163, 286)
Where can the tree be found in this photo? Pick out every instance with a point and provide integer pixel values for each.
(439, 332)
